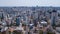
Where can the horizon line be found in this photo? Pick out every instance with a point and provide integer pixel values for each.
(30, 6)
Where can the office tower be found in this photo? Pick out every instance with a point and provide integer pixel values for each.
(2, 17)
(39, 15)
(49, 13)
(17, 21)
(54, 18)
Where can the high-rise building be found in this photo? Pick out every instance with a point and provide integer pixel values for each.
(17, 21)
(54, 17)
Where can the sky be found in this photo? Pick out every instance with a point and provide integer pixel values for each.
(30, 3)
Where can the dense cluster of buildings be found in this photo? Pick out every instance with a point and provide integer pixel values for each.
(28, 16)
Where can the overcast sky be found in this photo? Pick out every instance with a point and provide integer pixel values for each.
(29, 2)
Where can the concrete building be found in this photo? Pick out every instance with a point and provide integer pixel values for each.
(54, 17)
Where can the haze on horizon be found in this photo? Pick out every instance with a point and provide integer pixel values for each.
(30, 2)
